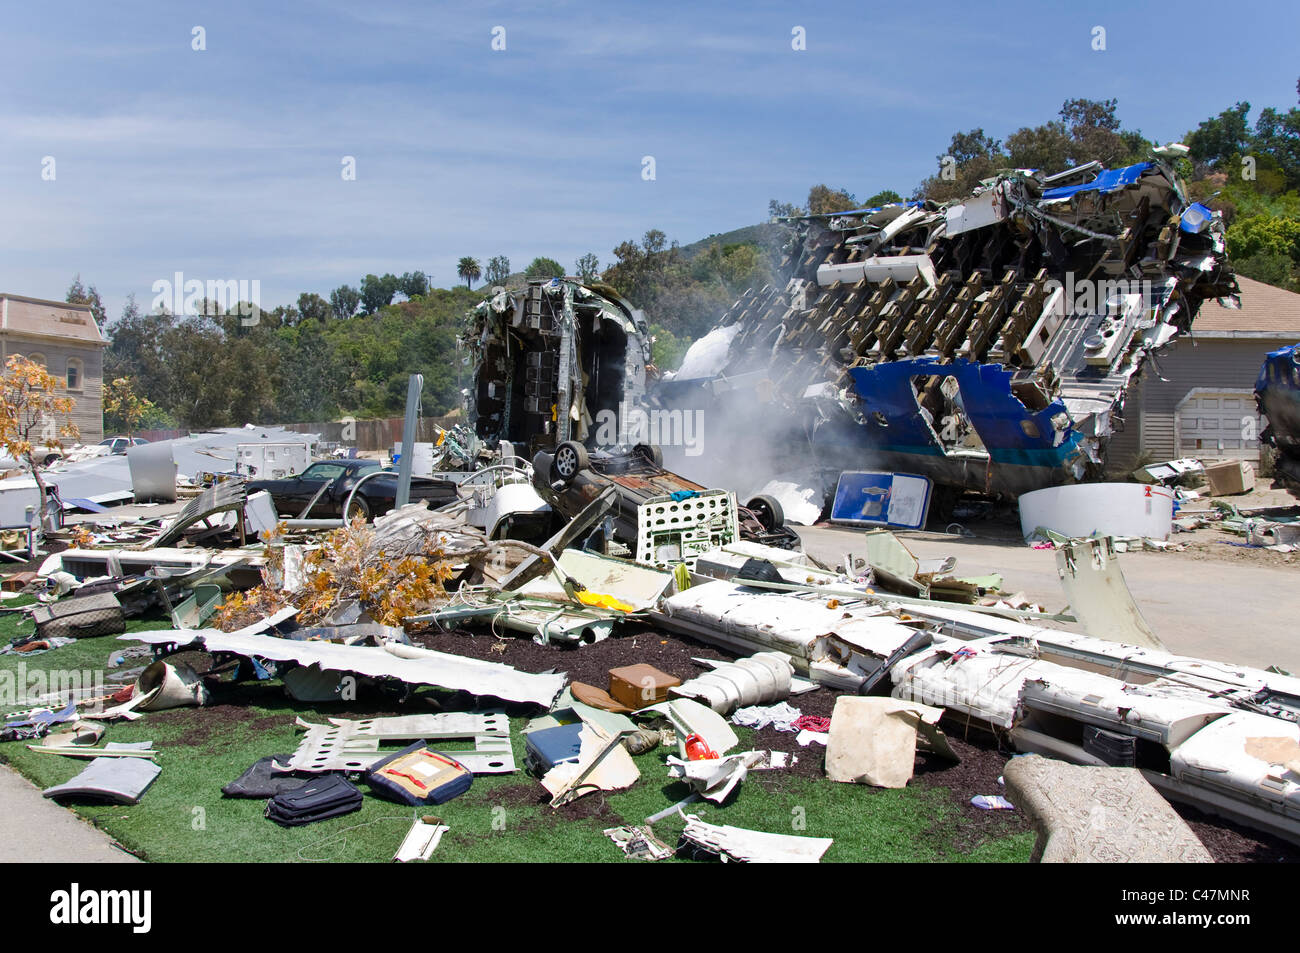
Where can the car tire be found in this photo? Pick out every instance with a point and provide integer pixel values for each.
(652, 453)
(50, 458)
(360, 507)
(768, 511)
(569, 460)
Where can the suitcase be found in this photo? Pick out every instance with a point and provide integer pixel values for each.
(641, 685)
(547, 747)
(317, 800)
(417, 775)
(80, 617)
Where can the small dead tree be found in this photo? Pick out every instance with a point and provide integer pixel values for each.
(30, 414)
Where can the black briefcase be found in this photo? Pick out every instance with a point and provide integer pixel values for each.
(321, 798)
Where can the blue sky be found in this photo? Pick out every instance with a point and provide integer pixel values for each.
(225, 163)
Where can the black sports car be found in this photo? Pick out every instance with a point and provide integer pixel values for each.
(373, 498)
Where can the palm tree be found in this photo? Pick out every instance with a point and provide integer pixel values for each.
(469, 269)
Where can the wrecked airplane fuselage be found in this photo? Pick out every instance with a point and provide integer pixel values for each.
(987, 343)
(1277, 394)
(557, 360)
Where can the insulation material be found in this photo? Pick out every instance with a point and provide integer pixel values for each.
(836, 646)
(873, 740)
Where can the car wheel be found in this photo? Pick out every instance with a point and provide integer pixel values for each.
(51, 458)
(651, 453)
(359, 507)
(570, 459)
(768, 511)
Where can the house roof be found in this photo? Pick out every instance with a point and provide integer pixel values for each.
(36, 317)
(1265, 311)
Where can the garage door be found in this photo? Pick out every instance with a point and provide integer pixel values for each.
(1220, 425)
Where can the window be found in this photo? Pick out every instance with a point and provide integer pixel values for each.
(74, 374)
(39, 359)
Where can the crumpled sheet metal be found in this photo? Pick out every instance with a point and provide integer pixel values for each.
(119, 780)
(836, 647)
(715, 778)
(407, 663)
(755, 847)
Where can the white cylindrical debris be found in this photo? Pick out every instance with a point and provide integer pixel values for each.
(757, 680)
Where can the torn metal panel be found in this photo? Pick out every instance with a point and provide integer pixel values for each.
(638, 586)
(837, 646)
(691, 718)
(353, 745)
(406, 663)
(117, 780)
(603, 764)
(1099, 596)
(756, 847)
(420, 841)
(220, 498)
(172, 564)
(794, 567)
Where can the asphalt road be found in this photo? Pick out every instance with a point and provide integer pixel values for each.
(34, 829)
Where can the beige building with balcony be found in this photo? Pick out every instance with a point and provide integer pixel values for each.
(68, 341)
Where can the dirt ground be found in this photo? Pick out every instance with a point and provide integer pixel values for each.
(978, 771)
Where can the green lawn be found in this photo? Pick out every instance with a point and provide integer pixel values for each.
(183, 816)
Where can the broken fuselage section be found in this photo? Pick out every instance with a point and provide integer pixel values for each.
(987, 343)
(1277, 394)
(557, 360)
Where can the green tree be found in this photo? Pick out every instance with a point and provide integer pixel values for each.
(823, 200)
(377, 292)
(777, 209)
(498, 271)
(344, 301)
(544, 268)
(469, 269)
(587, 267)
(413, 284)
(313, 307)
(79, 294)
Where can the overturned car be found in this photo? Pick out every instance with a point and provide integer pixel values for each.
(987, 343)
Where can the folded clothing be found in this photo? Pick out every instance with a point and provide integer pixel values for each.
(262, 780)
